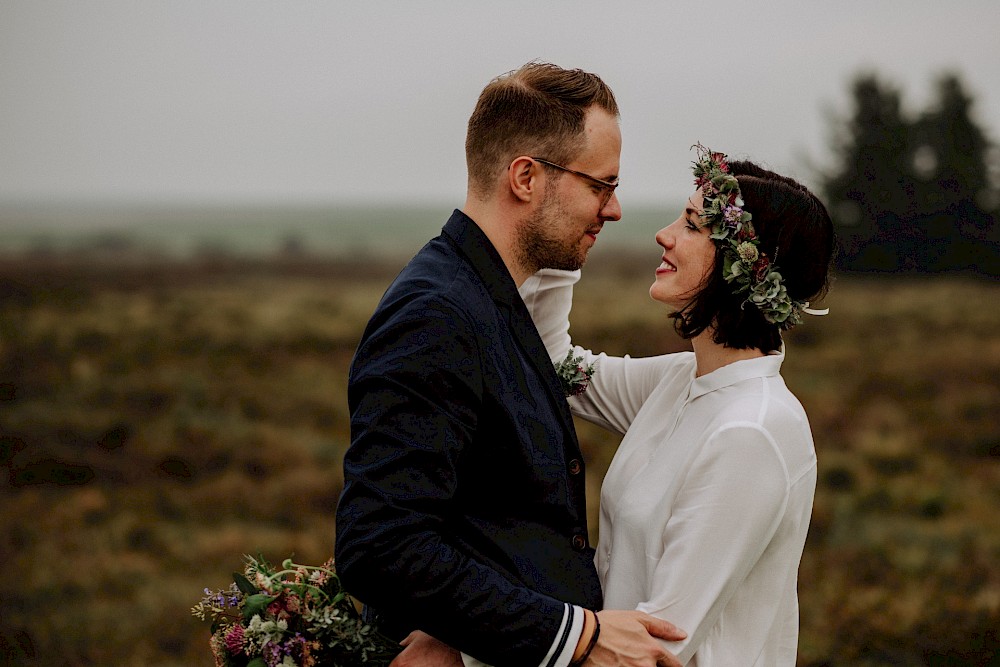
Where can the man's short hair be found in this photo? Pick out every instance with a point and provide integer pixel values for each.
(539, 109)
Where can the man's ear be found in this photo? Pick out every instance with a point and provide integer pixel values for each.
(522, 177)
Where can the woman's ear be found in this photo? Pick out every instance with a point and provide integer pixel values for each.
(522, 178)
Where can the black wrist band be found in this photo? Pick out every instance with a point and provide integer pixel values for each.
(591, 645)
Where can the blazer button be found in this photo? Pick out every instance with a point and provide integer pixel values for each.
(579, 542)
(575, 466)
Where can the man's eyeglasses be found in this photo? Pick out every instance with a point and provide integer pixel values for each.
(607, 188)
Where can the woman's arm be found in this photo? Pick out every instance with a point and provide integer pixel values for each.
(620, 385)
(548, 295)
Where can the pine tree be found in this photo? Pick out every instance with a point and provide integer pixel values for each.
(955, 193)
(913, 195)
(872, 193)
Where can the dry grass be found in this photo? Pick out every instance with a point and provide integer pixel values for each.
(158, 420)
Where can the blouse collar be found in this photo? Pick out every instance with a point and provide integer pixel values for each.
(759, 367)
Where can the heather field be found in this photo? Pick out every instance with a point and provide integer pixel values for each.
(159, 418)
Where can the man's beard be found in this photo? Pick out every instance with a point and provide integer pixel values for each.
(538, 249)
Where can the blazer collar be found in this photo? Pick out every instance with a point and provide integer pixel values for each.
(473, 243)
(477, 249)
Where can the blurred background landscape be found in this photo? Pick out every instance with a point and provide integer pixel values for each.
(201, 204)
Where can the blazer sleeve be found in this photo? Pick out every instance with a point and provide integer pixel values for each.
(415, 395)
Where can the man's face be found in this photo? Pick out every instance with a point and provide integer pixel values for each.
(573, 208)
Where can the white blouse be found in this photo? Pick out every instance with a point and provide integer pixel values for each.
(706, 504)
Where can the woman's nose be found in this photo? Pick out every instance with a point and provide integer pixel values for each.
(665, 238)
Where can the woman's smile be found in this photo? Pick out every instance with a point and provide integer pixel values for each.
(665, 266)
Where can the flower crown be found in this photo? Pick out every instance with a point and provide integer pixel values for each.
(744, 263)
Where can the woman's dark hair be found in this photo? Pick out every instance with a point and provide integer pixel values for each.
(795, 231)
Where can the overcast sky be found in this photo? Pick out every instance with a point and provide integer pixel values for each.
(319, 102)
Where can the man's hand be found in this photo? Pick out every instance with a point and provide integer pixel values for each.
(422, 650)
(626, 639)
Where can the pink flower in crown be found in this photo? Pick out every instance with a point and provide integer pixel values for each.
(720, 160)
(708, 189)
(761, 267)
(234, 639)
(746, 233)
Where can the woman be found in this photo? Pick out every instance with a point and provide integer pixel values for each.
(705, 507)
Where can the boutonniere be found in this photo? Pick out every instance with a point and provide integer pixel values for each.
(574, 377)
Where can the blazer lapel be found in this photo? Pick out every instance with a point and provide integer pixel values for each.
(529, 340)
(484, 258)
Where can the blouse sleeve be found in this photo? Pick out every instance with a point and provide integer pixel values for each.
(725, 515)
(620, 385)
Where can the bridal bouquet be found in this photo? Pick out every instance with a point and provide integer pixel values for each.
(296, 616)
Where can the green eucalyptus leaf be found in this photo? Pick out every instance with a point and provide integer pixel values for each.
(244, 584)
(256, 604)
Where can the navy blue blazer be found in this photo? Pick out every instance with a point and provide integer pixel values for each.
(463, 512)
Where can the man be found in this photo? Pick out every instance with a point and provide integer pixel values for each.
(463, 513)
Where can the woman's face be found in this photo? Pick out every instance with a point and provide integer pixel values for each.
(688, 256)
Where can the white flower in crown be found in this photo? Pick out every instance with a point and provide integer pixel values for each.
(748, 252)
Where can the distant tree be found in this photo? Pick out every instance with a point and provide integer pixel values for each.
(912, 195)
(956, 197)
(871, 193)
